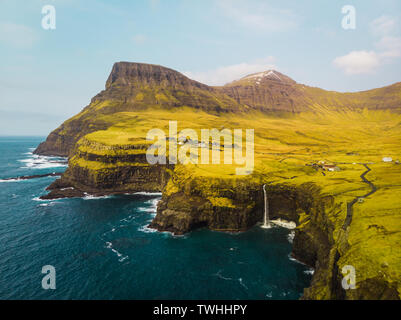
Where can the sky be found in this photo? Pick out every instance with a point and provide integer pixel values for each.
(48, 75)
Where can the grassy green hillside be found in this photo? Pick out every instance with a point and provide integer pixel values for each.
(107, 143)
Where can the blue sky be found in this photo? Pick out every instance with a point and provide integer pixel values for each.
(47, 76)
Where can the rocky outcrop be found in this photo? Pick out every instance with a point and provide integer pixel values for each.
(36, 176)
(181, 213)
(319, 240)
(98, 169)
(62, 140)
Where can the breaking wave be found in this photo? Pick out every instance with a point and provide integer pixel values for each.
(35, 161)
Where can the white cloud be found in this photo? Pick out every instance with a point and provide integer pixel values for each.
(17, 35)
(390, 47)
(358, 62)
(225, 74)
(258, 16)
(383, 25)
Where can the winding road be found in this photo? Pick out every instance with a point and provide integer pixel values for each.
(350, 205)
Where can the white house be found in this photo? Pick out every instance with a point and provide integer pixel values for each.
(387, 159)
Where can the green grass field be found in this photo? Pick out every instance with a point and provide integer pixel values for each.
(283, 148)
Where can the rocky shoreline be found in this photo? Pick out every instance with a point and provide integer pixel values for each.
(184, 211)
(36, 176)
(315, 244)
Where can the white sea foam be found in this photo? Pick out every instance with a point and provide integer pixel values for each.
(284, 223)
(50, 204)
(128, 219)
(219, 275)
(46, 200)
(35, 161)
(147, 193)
(309, 271)
(151, 209)
(11, 180)
(295, 260)
(146, 229)
(291, 237)
(153, 202)
(121, 257)
(241, 282)
(92, 197)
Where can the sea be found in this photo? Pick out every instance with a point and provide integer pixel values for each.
(101, 248)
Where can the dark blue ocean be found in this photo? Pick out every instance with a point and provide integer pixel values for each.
(101, 248)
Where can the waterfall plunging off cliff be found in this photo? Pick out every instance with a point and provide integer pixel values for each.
(266, 221)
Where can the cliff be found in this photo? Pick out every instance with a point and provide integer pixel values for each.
(295, 127)
(135, 87)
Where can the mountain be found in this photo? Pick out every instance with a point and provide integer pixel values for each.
(138, 86)
(271, 91)
(346, 216)
(134, 87)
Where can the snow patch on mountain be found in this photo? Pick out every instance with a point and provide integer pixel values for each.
(270, 74)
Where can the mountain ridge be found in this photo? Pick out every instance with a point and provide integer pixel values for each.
(137, 86)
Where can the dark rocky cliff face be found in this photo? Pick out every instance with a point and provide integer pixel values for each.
(61, 141)
(138, 74)
(137, 87)
(313, 243)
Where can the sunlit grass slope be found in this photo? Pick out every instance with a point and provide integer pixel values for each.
(283, 147)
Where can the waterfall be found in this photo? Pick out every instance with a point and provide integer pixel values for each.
(266, 222)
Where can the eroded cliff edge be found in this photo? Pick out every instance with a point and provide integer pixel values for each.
(235, 205)
(106, 147)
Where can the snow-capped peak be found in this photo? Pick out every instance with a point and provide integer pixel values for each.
(261, 75)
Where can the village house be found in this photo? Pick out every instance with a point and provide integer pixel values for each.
(325, 167)
(330, 167)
